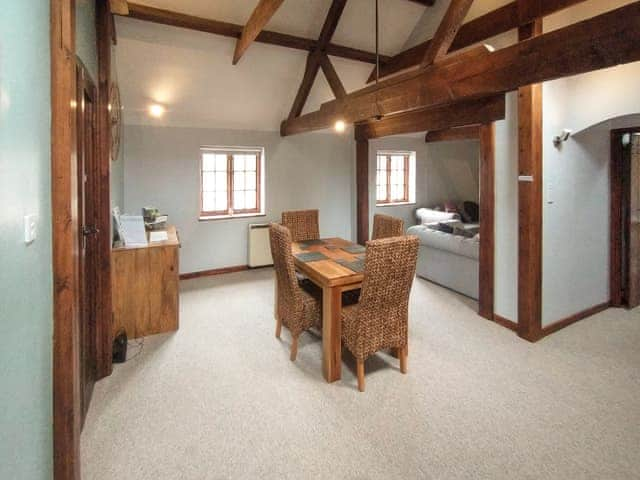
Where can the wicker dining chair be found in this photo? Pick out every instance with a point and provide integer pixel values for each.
(298, 310)
(303, 224)
(380, 320)
(385, 226)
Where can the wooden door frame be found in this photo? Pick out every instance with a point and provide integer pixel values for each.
(486, 276)
(66, 365)
(615, 232)
(67, 414)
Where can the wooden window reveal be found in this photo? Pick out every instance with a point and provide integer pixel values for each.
(230, 182)
(392, 178)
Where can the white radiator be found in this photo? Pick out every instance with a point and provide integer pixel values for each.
(259, 246)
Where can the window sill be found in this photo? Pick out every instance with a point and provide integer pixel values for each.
(231, 217)
(397, 204)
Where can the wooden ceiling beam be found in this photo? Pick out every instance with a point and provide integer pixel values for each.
(600, 42)
(483, 110)
(426, 3)
(315, 59)
(331, 23)
(467, 132)
(119, 7)
(447, 31)
(332, 77)
(256, 23)
(494, 23)
(310, 73)
(216, 27)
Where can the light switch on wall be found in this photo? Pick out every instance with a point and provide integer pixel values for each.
(550, 192)
(30, 228)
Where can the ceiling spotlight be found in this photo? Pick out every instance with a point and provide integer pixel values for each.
(340, 126)
(156, 110)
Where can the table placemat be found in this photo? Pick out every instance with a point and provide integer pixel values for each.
(311, 256)
(356, 266)
(354, 249)
(304, 244)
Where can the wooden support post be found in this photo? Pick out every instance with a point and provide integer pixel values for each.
(104, 27)
(487, 220)
(530, 202)
(362, 189)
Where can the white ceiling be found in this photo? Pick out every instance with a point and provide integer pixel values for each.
(191, 72)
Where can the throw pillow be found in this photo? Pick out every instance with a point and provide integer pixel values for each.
(450, 207)
(464, 214)
(462, 232)
(443, 227)
(473, 210)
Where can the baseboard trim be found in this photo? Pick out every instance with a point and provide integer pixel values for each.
(215, 271)
(565, 322)
(505, 322)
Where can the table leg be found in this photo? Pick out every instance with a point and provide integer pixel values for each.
(332, 333)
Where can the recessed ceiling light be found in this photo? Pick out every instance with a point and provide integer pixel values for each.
(156, 110)
(340, 126)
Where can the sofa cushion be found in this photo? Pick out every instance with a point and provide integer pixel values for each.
(428, 215)
(467, 247)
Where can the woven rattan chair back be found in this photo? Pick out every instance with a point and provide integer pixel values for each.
(382, 319)
(386, 226)
(288, 288)
(303, 224)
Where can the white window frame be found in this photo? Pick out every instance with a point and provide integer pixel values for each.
(261, 174)
(411, 178)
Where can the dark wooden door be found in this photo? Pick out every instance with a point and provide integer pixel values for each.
(625, 218)
(633, 249)
(87, 233)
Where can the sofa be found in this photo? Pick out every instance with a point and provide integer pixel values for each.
(445, 258)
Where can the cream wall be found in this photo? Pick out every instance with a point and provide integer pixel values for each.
(576, 176)
(304, 171)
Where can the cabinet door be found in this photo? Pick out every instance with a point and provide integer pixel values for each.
(130, 285)
(163, 290)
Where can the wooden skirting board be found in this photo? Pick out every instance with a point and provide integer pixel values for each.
(559, 325)
(565, 322)
(505, 322)
(218, 271)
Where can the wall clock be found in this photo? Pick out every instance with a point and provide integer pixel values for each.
(115, 113)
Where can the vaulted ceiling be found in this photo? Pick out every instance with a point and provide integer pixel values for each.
(191, 72)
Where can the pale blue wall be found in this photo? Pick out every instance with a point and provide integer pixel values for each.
(25, 270)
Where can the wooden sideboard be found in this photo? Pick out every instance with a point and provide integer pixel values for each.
(145, 287)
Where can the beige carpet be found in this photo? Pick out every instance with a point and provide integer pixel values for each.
(221, 400)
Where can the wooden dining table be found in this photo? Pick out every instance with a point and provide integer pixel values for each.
(334, 278)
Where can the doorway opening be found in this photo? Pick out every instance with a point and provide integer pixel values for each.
(625, 218)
